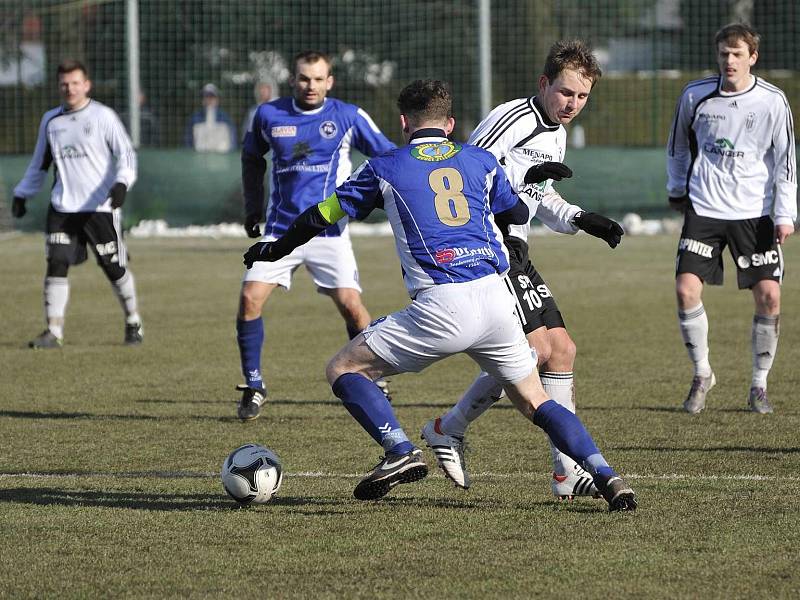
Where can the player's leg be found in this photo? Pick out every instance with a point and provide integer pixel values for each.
(759, 266)
(699, 261)
(104, 234)
(62, 249)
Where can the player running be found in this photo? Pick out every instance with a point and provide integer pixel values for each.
(446, 203)
(310, 136)
(528, 138)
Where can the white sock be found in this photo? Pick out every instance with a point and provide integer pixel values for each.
(56, 296)
(764, 343)
(483, 392)
(694, 329)
(560, 387)
(125, 289)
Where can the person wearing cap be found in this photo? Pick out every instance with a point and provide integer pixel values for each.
(210, 129)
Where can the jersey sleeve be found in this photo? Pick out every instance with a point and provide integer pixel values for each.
(254, 166)
(678, 152)
(35, 174)
(785, 169)
(122, 149)
(358, 195)
(254, 143)
(368, 139)
(556, 213)
(496, 132)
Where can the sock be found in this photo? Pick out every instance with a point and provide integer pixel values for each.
(766, 330)
(571, 437)
(56, 296)
(352, 331)
(366, 403)
(559, 386)
(250, 335)
(694, 329)
(125, 289)
(483, 392)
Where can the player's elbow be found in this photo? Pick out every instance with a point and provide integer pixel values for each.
(516, 215)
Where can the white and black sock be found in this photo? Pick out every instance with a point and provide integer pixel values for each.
(694, 329)
(561, 388)
(125, 289)
(766, 330)
(56, 296)
(483, 392)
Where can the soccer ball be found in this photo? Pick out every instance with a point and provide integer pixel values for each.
(252, 474)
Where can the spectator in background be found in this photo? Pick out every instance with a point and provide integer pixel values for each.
(150, 127)
(210, 129)
(263, 91)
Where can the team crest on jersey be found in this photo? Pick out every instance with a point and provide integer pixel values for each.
(87, 129)
(284, 131)
(327, 129)
(750, 122)
(435, 151)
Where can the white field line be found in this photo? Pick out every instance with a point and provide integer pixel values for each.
(324, 475)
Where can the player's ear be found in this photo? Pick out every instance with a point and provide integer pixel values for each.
(543, 81)
(329, 83)
(753, 58)
(450, 125)
(404, 123)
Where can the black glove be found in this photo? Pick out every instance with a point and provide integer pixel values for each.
(679, 204)
(251, 226)
(599, 226)
(118, 191)
(547, 170)
(18, 207)
(263, 251)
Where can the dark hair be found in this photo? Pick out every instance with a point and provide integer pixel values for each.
(69, 65)
(572, 54)
(310, 56)
(426, 100)
(735, 32)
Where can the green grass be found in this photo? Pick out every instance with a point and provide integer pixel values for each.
(109, 454)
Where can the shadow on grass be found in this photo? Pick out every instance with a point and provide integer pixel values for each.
(758, 449)
(22, 414)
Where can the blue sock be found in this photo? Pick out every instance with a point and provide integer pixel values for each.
(366, 403)
(352, 331)
(570, 436)
(250, 335)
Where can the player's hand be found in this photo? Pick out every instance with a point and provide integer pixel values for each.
(547, 170)
(118, 191)
(18, 207)
(679, 204)
(251, 226)
(262, 251)
(600, 226)
(782, 232)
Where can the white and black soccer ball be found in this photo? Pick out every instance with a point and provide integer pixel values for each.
(252, 474)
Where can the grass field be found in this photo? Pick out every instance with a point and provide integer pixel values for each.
(109, 455)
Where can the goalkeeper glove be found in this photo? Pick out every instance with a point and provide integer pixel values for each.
(117, 194)
(251, 226)
(18, 207)
(547, 170)
(264, 252)
(599, 226)
(679, 204)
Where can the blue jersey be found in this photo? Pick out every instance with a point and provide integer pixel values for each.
(440, 198)
(310, 155)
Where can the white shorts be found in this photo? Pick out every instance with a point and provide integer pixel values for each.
(477, 318)
(330, 260)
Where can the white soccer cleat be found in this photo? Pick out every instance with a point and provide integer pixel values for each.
(576, 483)
(449, 452)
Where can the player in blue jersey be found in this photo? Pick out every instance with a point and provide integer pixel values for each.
(310, 137)
(446, 204)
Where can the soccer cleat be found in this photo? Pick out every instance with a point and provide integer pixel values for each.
(134, 334)
(384, 385)
(392, 470)
(250, 404)
(696, 400)
(449, 451)
(46, 340)
(757, 401)
(618, 494)
(577, 483)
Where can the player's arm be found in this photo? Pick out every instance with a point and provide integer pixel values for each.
(368, 138)
(254, 167)
(679, 155)
(785, 174)
(35, 174)
(508, 208)
(563, 217)
(123, 151)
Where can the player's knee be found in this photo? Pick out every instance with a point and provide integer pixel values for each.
(250, 303)
(564, 351)
(57, 268)
(334, 370)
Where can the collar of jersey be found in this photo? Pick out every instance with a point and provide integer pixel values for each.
(744, 91)
(308, 112)
(543, 118)
(72, 112)
(427, 134)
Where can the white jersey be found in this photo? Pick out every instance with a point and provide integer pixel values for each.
(734, 152)
(520, 136)
(91, 151)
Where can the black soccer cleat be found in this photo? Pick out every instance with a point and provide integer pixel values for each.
(134, 334)
(392, 470)
(618, 494)
(250, 403)
(45, 341)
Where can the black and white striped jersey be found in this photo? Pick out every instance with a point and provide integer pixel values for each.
(734, 153)
(91, 151)
(520, 136)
